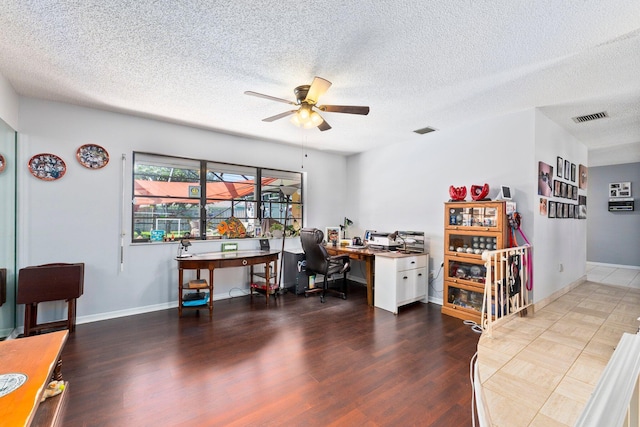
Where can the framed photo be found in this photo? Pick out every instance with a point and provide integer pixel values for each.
(332, 235)
(620, 189)
(582, 207)
(569, 191)
(571, 210)
(559, 209)
(573, 172)
(575, 192)
(563, 190)
(552, 209)
(543, 206)
(545, 179)
(557, 188)
(582, 177)
(567, 169)
(559, 167)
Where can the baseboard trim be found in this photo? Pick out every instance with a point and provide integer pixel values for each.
(557, 294)
(603, 264)
(139, 310)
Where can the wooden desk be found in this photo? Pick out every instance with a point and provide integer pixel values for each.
(212, 260)
(366, 255)
(37, 357)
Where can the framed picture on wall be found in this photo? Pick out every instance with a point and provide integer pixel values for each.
(571, 209)
(552, 209)
(563, 190)
(575, 192)
(567, 169)
(582, 177)
(573, 172)
(557, 188)
(543, 206)
(569, 191)
(559, 166)
(582, 207)
(545, 179)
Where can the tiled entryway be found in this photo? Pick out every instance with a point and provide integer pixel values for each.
(540, 370)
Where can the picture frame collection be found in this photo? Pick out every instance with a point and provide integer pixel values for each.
(564, 186)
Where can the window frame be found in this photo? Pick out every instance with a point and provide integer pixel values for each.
(203, 218)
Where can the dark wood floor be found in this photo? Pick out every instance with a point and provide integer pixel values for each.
(295, 363)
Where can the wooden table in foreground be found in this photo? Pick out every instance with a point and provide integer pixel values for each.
(366, 255)
(212, 260)
(37, 357)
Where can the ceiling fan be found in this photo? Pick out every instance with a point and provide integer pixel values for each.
(306, 100)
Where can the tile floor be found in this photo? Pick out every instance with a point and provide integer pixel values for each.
(540, 370)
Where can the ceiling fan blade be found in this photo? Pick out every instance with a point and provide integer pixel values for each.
(351, 109)
(273, 98)
(318, 87)
(324, 126)
(279, 116)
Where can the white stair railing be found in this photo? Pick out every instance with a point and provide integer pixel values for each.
(615, 400)
(507, 289)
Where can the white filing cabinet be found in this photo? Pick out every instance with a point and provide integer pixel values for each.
(400, 279)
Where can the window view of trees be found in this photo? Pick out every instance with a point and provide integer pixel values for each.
(175, 198)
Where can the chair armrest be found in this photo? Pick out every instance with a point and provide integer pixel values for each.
(335, 258)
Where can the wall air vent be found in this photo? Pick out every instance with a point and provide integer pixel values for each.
(425, 130)
(590, 117)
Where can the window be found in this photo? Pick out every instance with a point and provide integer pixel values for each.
(175, 197)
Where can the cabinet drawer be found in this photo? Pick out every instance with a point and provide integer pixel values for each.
(409, 263)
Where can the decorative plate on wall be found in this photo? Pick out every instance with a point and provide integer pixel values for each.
(92, 156)
(3, 163)
(47, 167)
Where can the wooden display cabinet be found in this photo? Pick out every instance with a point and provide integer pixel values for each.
(469, 229)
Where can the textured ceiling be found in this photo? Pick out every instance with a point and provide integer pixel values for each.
(416, 63)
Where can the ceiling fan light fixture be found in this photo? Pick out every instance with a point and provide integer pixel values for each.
(306, 118)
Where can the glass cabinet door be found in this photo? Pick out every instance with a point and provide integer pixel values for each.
(458, 270)
(485, 217)
(471, 243)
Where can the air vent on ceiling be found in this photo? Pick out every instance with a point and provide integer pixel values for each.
(424, 130)
(590, 117)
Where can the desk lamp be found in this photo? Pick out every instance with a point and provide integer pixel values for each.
(347, 223)
(184, 244)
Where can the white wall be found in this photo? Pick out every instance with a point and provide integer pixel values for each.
(404, 187)
(78, 218)
(613, 237)
(9, 103)
(557, 241)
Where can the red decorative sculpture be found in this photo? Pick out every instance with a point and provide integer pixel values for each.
(479, 192)
(457, 193)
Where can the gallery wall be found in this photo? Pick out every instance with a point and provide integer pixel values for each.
(560, 243)
(613, 237)
(78, 218)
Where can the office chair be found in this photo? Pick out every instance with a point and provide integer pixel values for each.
(319, 262)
